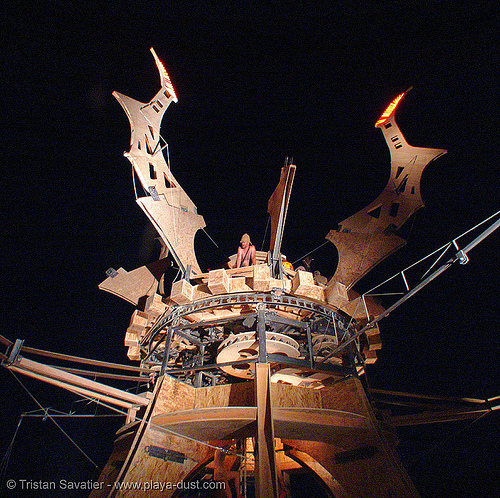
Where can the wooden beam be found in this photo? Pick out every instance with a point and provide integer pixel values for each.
(278, 207)
(74, 381)
(266, 479)
(74, 389)
(78, 359)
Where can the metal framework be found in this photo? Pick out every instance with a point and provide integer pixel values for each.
(259, 312)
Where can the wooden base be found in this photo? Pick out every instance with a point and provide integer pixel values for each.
(331, 432)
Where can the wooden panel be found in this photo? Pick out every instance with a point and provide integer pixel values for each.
(176, 225)
(182, 292)
(130, 286)
(174, 395)
(155, 306)
(261, 278)
(147, 469)
(336, 294)
(360, 252)
(285, 395)
(218, 282)
(344, 395)
(241, 394)
(279, 201)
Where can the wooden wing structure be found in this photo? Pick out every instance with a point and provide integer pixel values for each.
(167, 206)
(366, 238)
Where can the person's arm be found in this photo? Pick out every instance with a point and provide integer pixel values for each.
(253, 252)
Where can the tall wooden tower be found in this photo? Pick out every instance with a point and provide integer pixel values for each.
(258, 369)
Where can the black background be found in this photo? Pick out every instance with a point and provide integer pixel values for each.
(256, 83)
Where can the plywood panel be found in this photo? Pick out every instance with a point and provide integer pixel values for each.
(174, 395)
(285, 395)
(344, 395)
(240, 394)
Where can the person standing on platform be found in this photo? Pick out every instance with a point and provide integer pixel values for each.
(246, 252)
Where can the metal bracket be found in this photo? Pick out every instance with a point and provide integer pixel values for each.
(14, 352)
(111, 272)
(154, 194)
(165, 455)
(463, 259)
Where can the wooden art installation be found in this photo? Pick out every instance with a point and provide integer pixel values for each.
(257, 371)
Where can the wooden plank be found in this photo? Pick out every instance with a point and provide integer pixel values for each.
(266, 479)
(75, 381)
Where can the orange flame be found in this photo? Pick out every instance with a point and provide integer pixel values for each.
(166, 82)
(389, 110)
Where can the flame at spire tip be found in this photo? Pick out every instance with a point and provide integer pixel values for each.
(389, 111)
(165, 78)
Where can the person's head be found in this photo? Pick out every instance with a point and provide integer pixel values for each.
(245, 240)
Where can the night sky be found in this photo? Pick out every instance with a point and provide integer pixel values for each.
(256, 83)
